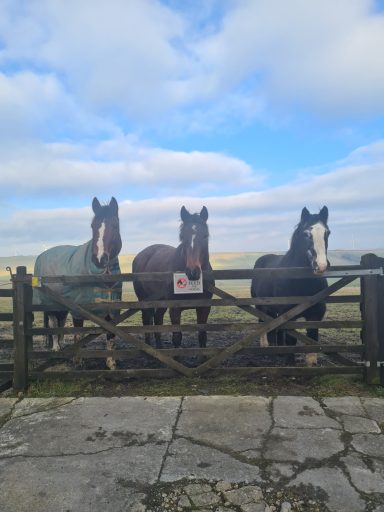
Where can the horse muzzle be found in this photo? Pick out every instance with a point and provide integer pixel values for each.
(193, 274)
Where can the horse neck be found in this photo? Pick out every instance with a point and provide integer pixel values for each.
(296, 256)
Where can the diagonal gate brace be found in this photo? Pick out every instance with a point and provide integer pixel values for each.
(70, 305)
(270, 325)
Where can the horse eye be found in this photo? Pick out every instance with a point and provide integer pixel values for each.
(307, 233)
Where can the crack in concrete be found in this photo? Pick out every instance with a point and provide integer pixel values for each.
(74, 454)
(173, 436)
(57, 406)
(8, 416)
(225, 451)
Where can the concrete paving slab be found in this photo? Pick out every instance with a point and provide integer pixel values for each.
(374, 408)
(301, 412)
(230, 422)
(186, 459)
(107, 481)
(356, 425)
(369, 444)
(349, 405)
(88, 425)
(298, 445)
(330, 486)
(369, 479)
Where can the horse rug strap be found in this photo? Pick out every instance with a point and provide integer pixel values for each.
(69, 260)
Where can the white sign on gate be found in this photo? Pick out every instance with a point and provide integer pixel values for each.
(181, 284)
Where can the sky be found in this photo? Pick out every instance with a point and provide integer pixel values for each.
(253, 108)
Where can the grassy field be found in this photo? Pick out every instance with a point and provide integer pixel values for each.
(219, 260)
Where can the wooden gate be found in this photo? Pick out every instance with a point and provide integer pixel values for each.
(371, 349)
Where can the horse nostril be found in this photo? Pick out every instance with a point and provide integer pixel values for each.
(193, 274)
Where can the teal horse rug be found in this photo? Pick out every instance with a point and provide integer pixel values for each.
(69, 260)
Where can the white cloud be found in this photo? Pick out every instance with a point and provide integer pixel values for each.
(249, 221)
(104, 167)
(325, 55)
(143, 59)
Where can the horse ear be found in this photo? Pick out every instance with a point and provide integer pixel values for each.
(114, 206)
(304, 214)
(184, 214)
(95, 205)
(324, 214)
(204, 213)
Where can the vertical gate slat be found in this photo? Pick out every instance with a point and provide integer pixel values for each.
(372, 312)
(22, 298)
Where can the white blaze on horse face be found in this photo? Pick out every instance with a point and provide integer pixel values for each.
(100, 242)
(318, 236)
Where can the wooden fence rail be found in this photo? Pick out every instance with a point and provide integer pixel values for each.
(215, 360)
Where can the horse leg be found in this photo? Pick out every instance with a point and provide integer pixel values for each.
(147, 317)
(110, 345)
(56, 319)
(311, 357)
(159, 317)
(175, 315)
(290, 341)
(49, 337)
(202, 317)
(77, 322)
(317, 312)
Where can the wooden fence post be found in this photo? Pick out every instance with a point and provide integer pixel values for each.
(22, 320)
(372, 311)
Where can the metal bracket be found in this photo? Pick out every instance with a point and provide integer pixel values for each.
(363, 272)
(367, 364)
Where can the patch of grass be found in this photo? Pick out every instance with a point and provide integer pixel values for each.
(343, 385)
(324, 386)
(56, 388)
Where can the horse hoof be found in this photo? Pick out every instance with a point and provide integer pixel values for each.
(111, 363)
(311, 359)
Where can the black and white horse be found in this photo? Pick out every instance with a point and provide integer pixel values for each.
(97, 256)
(191, 257)
(308, 248)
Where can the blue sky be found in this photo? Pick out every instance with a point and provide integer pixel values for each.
(253, 108)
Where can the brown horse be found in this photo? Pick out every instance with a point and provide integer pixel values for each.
(97, 256)
(191, 257)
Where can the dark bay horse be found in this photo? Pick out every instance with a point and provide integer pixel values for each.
(308, 248)
(191, 257)
(97, 256)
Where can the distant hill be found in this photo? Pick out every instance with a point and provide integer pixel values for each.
(220, 260)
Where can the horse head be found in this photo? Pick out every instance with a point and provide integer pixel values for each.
(194, 239)
(106, 241)
(314, 232)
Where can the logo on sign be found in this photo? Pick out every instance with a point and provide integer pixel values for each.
(181, 283)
